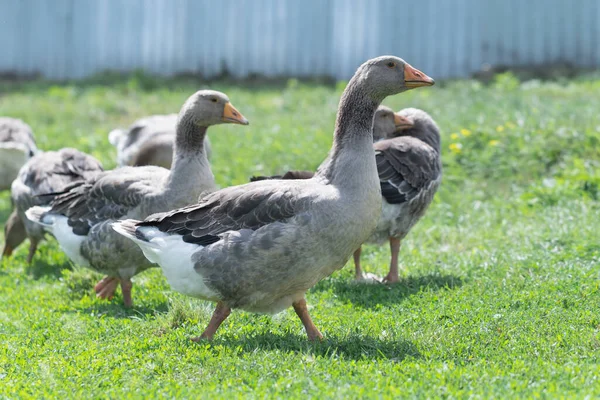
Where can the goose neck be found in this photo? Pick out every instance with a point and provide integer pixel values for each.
(353, 136)
(190, 169)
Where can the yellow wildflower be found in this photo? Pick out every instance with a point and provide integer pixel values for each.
(494, 142)
(465, 132)
(455, 147)
(454, 136)
(499, 128)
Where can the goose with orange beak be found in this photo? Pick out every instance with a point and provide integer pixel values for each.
(80, 218)
(410, 172)
(260, 246)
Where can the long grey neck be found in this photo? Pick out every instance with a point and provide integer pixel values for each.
(353, 136)
(190, 170)
(189, 136)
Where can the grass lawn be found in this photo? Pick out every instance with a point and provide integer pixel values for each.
(500, 289)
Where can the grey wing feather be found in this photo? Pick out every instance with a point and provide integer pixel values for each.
(48, 173)
(405, 166)
(236, 208)
(110, 195)
(288, 175)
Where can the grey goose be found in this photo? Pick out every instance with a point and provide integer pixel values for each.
(260, 246)
(37, 183)
(81, 218)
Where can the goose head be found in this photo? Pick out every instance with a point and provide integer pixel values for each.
(209, 107)
(423, 127)
(388, 75)
(386, 123)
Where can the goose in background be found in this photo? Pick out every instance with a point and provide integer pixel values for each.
(149, 141)
(44, 174)
(17, 145)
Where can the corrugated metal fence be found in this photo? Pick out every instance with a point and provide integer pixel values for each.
(447, 38)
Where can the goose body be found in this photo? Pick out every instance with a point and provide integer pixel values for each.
(81, 218)
(262, 245)
(45, 173)
(149, 141)
(17, 145)
(250, 259)
(409, 170)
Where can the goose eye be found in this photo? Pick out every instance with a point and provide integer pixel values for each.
(214, 100)
(391, 64)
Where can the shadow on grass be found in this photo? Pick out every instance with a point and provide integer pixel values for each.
(352, 347)
(114, 309)
(371, 295)
(40, 269)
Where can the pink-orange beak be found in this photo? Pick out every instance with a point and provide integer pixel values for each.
(413, 78)
(402, 123)
(231, 115)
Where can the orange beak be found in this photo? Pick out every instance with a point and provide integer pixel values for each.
(413, 78)
(231, 115)
(402, 123)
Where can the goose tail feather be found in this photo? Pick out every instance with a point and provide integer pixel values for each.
(39, 215)
(129, 229)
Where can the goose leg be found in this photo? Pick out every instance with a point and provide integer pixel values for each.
(302, 312)
(105, 289)
(392, 276)
(219, 315)
(358, 274)
(32, 248)
(7, 251)
(126, 290)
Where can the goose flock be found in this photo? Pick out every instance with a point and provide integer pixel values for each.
(259, 246)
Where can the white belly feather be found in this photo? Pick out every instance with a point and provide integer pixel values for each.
(175, 258)
(69, 242)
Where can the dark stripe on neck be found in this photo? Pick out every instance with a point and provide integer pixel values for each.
(189, 137)
(354, 120)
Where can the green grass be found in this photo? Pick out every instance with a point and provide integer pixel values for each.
(500, 289)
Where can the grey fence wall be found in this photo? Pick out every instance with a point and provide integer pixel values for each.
(447, 38)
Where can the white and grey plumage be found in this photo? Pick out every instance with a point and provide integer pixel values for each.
(81, 218)
(45, 173)
(149, 141)
(410, 171)
(17, 145)
(262, 245)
